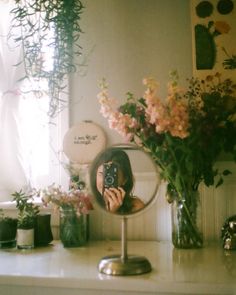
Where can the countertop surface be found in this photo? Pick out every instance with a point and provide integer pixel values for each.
(210, 270)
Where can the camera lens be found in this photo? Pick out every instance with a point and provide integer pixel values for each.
(109, 180)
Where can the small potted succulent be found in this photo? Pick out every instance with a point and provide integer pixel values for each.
(27, 213)
(8, 227)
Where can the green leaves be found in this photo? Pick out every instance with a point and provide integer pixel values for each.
(48, 26)
(226, 172)
(220, 182)
(27, 210)
(221, 175)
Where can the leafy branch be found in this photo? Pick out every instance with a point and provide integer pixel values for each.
(48, 28)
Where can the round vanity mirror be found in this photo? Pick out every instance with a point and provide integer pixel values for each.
(124, 182)
(124, 179)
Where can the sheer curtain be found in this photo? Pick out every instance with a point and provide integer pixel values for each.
(29, 145)
(13, 173)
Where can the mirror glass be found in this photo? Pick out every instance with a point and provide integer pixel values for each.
(124, 179)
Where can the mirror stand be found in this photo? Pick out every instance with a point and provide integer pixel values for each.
(124, 264)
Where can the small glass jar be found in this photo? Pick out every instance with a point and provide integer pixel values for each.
(73, 228)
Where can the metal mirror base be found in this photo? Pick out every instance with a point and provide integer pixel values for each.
(116, 266)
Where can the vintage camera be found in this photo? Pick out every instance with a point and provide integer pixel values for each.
(110, 172)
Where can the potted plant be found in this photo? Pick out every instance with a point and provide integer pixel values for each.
(27, 212)
(8, 227)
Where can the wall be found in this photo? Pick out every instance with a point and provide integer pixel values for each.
(125, 41)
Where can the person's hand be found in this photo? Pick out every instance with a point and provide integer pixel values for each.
(114, 198)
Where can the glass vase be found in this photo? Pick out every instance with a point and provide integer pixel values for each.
(73, 228)
(186, 221)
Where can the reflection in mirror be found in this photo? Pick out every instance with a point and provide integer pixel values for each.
(123, 179)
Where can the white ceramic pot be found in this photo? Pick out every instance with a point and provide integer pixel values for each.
(25, 238)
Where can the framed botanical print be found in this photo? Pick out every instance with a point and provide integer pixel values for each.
(214, 37)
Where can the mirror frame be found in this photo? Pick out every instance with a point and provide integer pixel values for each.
(97, 161)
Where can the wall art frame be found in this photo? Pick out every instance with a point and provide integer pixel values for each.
(214, 37)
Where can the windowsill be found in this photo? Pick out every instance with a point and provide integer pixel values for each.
(210, 270)
(11, 205)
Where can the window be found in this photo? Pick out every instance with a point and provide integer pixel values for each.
(30, 146)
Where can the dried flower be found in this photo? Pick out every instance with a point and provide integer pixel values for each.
(74, 198)
(222, 27)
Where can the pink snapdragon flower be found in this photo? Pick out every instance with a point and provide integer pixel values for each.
(124, 124)
(178, 113)
(107, 104)
(156, 112)
(171, 116)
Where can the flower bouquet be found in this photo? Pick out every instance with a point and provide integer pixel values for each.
(74, 207)
(185, 135)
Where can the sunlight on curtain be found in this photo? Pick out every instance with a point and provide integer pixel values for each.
(35, 136)
(29, 145)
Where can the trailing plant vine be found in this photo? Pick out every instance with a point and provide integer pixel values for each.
(48, 28)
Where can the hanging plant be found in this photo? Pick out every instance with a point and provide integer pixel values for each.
(48, 28)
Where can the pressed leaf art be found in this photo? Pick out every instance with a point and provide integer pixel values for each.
(214, 37)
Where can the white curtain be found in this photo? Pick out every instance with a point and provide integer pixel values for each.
(29, 145)
(13, 175)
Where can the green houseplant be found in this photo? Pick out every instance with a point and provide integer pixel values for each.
(8, 227)
(27, 212)
(48, 28)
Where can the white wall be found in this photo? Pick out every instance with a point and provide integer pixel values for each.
(125, 41)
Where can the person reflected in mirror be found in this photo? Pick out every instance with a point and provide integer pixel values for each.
(112, 182)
